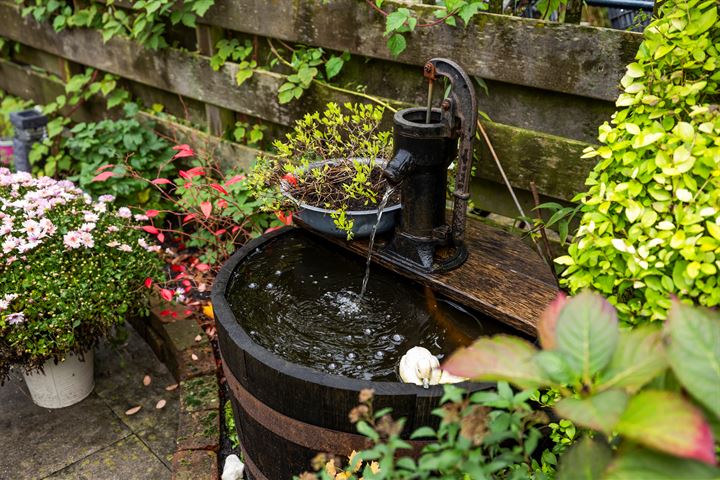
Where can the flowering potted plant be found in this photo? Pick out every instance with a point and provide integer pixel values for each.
(70, 270)
(330, 168)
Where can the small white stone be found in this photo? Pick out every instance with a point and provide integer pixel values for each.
(234, 468)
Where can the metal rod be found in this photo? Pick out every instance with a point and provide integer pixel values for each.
(626, 4)
(429, 101)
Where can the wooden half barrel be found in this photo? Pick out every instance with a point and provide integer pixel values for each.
(286, 413)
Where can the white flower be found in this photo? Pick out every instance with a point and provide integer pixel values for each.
(4, 304)
(113, 244)
(124, 212)
(106, 198)
(48, 227)
(112, 228)
(91, 217)
(87, 239)
(32, 228)
(15, 318)
(125, 248)
(10, 244)
(87, 227)
(140, 217)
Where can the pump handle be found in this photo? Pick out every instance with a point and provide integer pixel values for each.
(463, 104)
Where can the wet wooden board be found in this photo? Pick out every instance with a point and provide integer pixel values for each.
(502, 278)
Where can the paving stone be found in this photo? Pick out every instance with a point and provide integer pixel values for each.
(128, 459)
(199, 430)
(203, 365)
(199, 393)
(119, 382)
(39, 441)
(195, 465)
(182, 333)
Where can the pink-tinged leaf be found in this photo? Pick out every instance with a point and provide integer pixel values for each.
(206, 208)
(548, 322)
(638, 358)
(133, 410)
(161, 237)
(103, 176)
(217, 187)
(290, 178)
(151, 229)
(187, 185)
(187, 312)
(166, 294)
(195, 172)
(235, 179)
(272, 229)
(147, 380)
(161, 181)
(219, 232)
(665, 421)
(502, 357)
(203, 267)
(184, 175)
(104, 167)
(198, 338)
(148, 282)
(587, 333)
(284, 218)
(160, 404)
(600, 412)
(188, 217)
(172, 387)
(165, 313)
(177, 268)
(694, 352)
(186, 283)
(152, 213)
(235, 229)
(222, 203)
(183, 151)
(194, 357)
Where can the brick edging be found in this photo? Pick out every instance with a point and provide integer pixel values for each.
(180, 343)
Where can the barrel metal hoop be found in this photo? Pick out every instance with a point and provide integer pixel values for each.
(318, 439)
(254, 471)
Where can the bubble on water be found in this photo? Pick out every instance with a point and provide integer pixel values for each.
(252, 285)
(269, 286)
(358, 367)
(278, 272)
(367, 331)
(351, 356)
(253, 332)
(332, 366)
(314, 282)
(383, 337)
(387, 317)
(397, 338)
(325, 277)
(379, 355)
(328, 355)
(348, 338)
(311, 275)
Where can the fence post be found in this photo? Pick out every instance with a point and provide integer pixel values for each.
(218, 119)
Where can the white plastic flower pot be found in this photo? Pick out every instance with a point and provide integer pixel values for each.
(64, 384)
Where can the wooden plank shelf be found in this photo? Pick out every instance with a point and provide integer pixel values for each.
(502, 278)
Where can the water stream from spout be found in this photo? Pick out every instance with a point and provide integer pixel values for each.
(371, 244)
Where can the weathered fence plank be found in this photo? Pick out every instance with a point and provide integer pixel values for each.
(527, 155)
(585, 61)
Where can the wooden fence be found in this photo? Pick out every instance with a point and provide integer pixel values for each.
(549, 84)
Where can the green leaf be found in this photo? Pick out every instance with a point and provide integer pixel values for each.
(587, 333)
(694, 352)
(638, 358)
(242, 75)
(499, 358)
(600, 412)
(423, 432)
(333, 66)
(365, 429)
(642, 464)
(396, 44)
(667, 422)
(586, 460)
(396, 20)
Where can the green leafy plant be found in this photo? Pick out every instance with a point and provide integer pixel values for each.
(49, 157)
(144, 22)
(651, 217)
(320, 163)
(487, 434)
(215, 208)
(70, 269)
(114, 145)
(9, 104)
(232, 49)
(247, 134)
(611, 382)
(307, 64)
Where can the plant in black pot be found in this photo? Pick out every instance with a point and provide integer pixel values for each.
(329, 169)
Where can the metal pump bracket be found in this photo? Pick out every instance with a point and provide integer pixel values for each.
(460, 111)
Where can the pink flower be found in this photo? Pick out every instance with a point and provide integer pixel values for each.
(113, 244)
(124, 212)
(15, 318)
(91, 217)
(87, 227)
(125, 248)
(112, 228)
(72, 239)
(87, 239)
(10, 244)
(141, 218)
(32, 228)
(106, 198)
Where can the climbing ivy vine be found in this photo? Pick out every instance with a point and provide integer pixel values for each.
(651, 216)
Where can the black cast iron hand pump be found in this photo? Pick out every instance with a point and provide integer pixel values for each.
(426, 143)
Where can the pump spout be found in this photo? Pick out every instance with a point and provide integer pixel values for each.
(401, 165)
